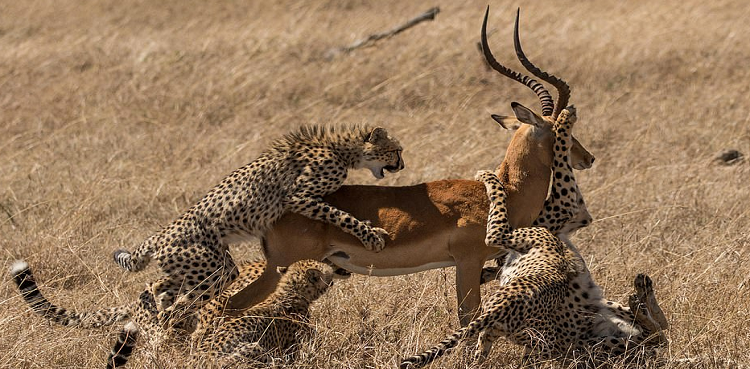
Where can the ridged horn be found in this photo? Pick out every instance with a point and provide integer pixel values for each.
(563, 90)
(544, 96)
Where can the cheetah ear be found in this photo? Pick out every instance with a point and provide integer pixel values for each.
(525, 115)
(376, 135)
(508, 123)
(311, 274)
(282, 270)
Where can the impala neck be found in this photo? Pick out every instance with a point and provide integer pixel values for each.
(526, 172)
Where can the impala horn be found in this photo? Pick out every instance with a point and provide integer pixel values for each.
(544, 96)
(563, 90)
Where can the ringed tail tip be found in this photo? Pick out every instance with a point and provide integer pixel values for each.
(18, 267)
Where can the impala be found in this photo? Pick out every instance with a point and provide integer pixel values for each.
(435, 224)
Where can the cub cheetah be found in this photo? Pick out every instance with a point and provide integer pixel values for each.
(548, 301)
(263, 333)
(269, 330)
(293, 175)
(142, 310)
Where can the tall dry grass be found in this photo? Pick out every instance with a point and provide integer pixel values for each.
(116, 116)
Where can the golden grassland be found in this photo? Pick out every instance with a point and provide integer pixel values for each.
(117, 116)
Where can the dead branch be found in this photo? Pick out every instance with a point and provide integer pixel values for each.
(426, 16)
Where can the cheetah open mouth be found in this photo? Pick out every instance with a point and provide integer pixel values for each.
(390, 168)
(379, 173)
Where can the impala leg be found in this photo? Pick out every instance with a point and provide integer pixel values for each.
(468, 275)
(644, 288)
(255, 292)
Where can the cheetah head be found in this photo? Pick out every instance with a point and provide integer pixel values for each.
(380, 153)
(308, 277)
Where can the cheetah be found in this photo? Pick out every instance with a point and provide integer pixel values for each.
(291, 176)
(262, 334)
(139, 313)
(564, 210)
(270, 330)
(548, 301)
(29, 289)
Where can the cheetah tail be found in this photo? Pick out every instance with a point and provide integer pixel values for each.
(124, 346)
(28, 288)
(418, 361)
(138, 259)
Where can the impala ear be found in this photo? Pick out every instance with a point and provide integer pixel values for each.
(508, 123)
(525, 115)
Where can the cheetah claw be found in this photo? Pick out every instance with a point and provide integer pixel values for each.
(374, 239)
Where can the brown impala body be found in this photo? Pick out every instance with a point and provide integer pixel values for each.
(431, 225)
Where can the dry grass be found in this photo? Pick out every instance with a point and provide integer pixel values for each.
(116, 116)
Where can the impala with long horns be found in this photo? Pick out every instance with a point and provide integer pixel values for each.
(434, 224)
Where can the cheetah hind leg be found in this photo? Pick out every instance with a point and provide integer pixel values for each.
(195, 291)
(648, 313)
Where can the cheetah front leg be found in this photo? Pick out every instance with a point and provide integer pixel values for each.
(499, 233)
(373, 238)
(564, 210)
(497, 220)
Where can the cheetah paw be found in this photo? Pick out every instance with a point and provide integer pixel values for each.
(572, 118)
(644, 288)
(374, 239)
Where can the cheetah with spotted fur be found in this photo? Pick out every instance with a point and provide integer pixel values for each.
(210, 317)
(548, 301)
(263, 334)
(292, 176)
(135, 312)
(269, 331)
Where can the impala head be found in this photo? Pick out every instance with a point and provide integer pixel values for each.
(529, 126)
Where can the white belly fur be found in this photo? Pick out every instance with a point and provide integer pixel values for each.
(345, 262)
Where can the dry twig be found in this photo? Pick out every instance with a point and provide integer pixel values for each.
(426, 16)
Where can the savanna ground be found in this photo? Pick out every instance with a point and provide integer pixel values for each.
(116, 116)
